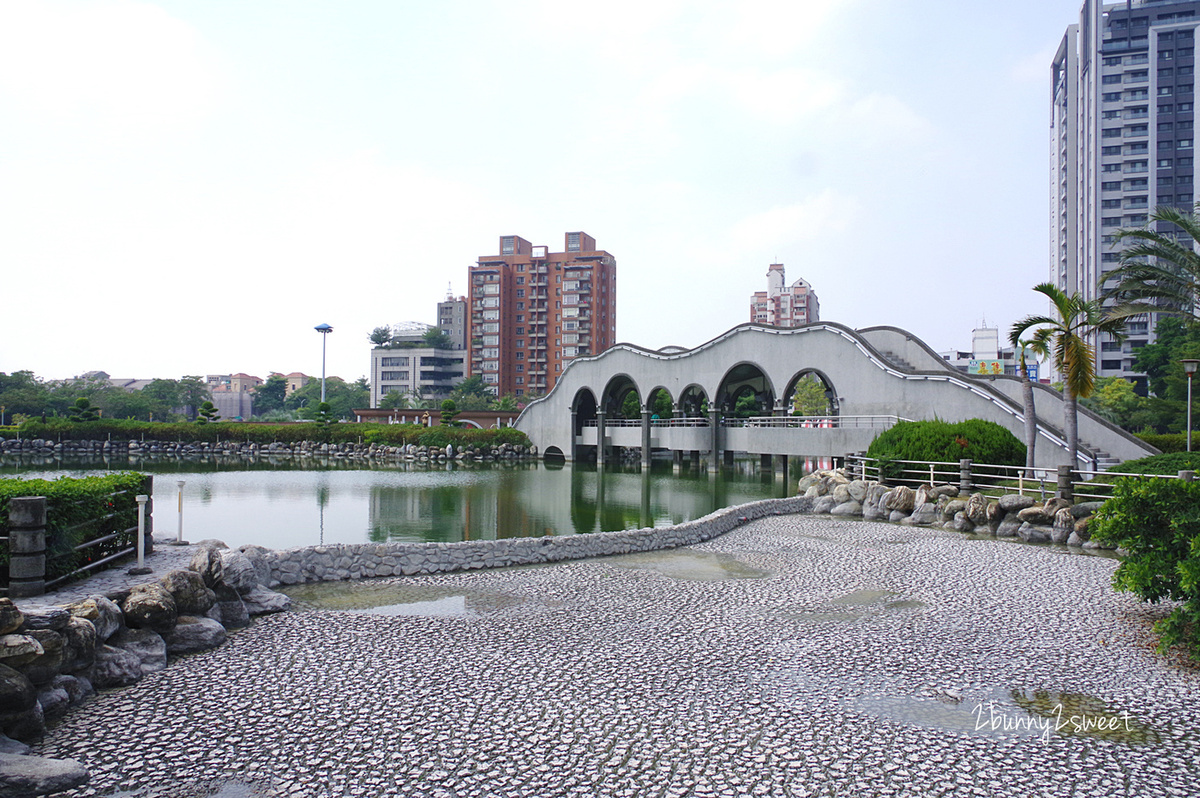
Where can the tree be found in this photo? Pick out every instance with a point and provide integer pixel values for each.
(270, 396)
(206, 413)
(82, 410)
(449, 411)
(324, 414)
(1077, 319)
(394, 400)
(436, 338)
(162, 398)
(193, 392)
(1158, 273)
(810, 397)
(1037, 344)
(506, 403)
(472, 387)
(22, 392)
(380, 336)
(342, 397)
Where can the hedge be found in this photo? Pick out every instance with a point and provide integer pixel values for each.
(78, 510)
(946, 442)
(243, 432)
(1174, 442)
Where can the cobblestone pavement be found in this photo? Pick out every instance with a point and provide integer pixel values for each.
(796, 656)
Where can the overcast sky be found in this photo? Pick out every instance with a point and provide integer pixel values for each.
(191, 187)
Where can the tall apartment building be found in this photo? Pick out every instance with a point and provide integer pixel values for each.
(791, 306)
(1122, 143)
(532, 311)
(452, 320)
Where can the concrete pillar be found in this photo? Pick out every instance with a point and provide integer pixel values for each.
(600, 434)
(573, 454)
(27, 546)
(148, 489)
(1066, 483)
(645, 437)
(779, 410)
(765, 462)
(1187, 476)
(714, 425)
(964, 476)
(781, 467)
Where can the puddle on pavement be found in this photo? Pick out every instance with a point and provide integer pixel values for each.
(418, 600)
(693, 565)
(1038, 714)
(862, 597)
(219, 789)
(858, 604)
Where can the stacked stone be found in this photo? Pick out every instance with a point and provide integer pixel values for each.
(1009, 516)
(55, 657)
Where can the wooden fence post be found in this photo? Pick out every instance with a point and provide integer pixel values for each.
(27, 546)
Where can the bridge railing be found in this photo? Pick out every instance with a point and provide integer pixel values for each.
(654, 422)
(816, 422)
(996, 479)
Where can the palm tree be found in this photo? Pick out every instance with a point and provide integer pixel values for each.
(1039, 346)
(1158, 274)
(1078, 319)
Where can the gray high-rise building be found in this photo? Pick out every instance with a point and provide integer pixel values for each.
(1122, 143)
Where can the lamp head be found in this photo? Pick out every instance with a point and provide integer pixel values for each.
(1190, 365)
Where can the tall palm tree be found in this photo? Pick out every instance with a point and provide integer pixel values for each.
(1038, 345)
(1158, 273)
(1078, 319)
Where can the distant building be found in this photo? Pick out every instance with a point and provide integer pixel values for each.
(233, 394)
(415, 370)
(779, 306)
(533, 311)
(452, 320)
(295, 381)
(987, 356)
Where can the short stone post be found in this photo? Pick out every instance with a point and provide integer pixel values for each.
(148, 490)
(1066, 483)
(27, 546)
(1187, 476)
(964, 475)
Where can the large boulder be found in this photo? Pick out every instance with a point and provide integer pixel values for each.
(924, 495)
(30, 776)
(79, 644)
(850, 508)
(841, 494)
(27, 726)
(259, 558)
(192, 596)
(1064, 525)
(824, 505)
(858, 490)
(1015, 502)
(54, 702)
(962, 523)
(150, 606)
(902, 499)
(18, 650)
(207, 562)
(44, 667)
(17, 693)
(1010, 527)
(192, 634)
(924, 514)
(977, 509)
(230, 610)
(239, 571)
(52, 618)
(104, 614)
(76, 687)
(261, 601)
(115, 667)
(145, 644)
(1034, 533)
(1036, 515)
(11, 616)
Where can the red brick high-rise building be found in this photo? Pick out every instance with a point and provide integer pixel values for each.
(533, 311)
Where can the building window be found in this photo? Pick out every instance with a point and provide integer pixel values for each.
(1110, 150)
(1112, 97)
(1109, 80)
(1113, 61)
(520, 367)
(508, 245)
(1166, 108)
(1112, 203)
(1185, 144)
(519, 331)
(1164, 163)
(1165, 55)
(1111, 133)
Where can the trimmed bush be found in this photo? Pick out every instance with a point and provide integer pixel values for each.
(1157, 521)
(1161, 464)
(1174, 442)
(945, 442)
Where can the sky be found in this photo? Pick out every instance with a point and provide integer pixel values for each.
(192, 187)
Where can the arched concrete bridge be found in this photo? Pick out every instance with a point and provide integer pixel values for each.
(733, 394)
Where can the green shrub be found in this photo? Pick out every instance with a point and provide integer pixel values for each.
(1174, 442)
(945, 442)
(1157, 521)
(1171, 463)
(78, 510)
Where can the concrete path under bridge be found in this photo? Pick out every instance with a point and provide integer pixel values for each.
(733, 395)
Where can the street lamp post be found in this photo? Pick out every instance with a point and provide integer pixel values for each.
(1189, 368)
(324, 330)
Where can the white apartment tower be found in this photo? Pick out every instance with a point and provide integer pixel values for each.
(784, 306)
(1122, 143)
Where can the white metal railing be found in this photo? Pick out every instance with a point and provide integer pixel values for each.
(816, 422)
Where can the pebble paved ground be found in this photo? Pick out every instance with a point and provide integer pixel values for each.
(797, 656)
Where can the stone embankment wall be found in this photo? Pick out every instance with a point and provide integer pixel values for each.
(355, 451)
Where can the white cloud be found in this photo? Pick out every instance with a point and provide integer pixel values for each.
(126, 68)
(784, 228)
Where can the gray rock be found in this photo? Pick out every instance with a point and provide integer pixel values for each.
(213, 543)
(11, 617)
(1083, 528)
(924, 495)
(17, 693)
(902, 499)
(1084, 509)
(207, 562)
(54, 702)
(950, 491)
(239, 571)
(1010, 527)
(858, 490)
(261, 601)
(192, 596)
(841, 494)
(192, 634)
(10, 746)
(1036, 515)
(824, 505)
(79, 644)
(145, 644)
(150, 606)
(30, 776)
(115, 667)
(962, 523)
(896, 516)
(1034, 533)
(229, 610)
(52, 618)
(77, 689)
(1064, 525)
(18, 650)
(953, 508)
(871, 512)
(1015, 502)
(44, 667)
(28, 726)
(977, 509)
(814, 492)
(104, 614)
(851, 508)
(260, 558)
(924, 514)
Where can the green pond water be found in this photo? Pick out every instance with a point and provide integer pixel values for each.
(281, 503)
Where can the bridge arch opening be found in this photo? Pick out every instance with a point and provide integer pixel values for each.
(658, 402)
(583, 407)
(693, 402)
(746, 391)
(811, 393)
(621, 398)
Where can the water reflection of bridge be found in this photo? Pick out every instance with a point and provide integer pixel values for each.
(738, 393)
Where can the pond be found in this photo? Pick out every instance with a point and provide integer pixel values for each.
(280, 504)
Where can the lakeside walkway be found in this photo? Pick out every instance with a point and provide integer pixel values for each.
(795, 656)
